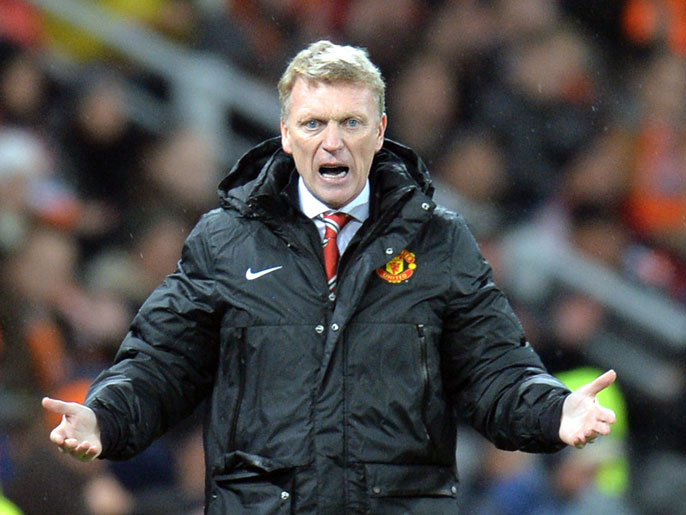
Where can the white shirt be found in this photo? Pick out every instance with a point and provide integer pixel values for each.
(358, 208)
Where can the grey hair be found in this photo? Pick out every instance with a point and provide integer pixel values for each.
(327, 62)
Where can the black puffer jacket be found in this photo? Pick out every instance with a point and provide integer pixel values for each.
(318, 406)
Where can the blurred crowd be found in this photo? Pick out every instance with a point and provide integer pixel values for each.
(565, 117)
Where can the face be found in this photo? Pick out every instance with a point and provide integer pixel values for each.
(333, 131)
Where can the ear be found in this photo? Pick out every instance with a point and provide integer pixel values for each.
(382, 131)
(285, 138)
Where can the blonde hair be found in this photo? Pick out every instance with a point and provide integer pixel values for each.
(327, 62)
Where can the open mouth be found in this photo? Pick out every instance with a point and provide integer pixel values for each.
(333, 172)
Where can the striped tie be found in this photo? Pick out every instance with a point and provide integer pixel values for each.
(334, 222)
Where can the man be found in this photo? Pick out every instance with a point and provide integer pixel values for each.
(331, 387)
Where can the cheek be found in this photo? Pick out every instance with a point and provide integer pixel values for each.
(302, 160)
(372, 147)
(297, 151)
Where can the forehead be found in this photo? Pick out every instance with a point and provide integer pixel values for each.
(312, 96)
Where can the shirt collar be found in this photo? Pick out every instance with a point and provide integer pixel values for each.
(358, 207)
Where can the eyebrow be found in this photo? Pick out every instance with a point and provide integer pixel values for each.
(308, 115)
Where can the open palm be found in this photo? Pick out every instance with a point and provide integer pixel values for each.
(583, 418)
(78, 434)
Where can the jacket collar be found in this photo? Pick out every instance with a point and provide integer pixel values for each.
(265, 177)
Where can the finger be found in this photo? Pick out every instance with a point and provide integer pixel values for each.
(70, 445)
(601, 382)
(57, 406)
(57, 436)
(581, 442)
(590, 435)
(82, 447)
(82, 450)
(85, 452)
(602, 428)
(607, 415)
(92, 453)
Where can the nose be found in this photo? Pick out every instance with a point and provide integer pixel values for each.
(332, 138)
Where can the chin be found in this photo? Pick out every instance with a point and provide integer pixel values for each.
(333, 204)
(335, 201)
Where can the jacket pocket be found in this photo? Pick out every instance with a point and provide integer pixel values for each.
(241, 389)
(425, 375)
(251, 484)
(415, 489)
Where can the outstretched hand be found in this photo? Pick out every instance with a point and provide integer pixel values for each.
(583, 418)
(78, 434)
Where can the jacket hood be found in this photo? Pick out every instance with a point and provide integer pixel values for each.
(266, 170)
(405, 160)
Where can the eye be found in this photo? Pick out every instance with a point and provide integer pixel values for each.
(352, 123)
(311, 124)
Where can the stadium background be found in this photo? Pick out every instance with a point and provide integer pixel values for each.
(558, 128)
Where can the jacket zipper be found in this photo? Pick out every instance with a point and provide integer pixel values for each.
(424, 366)
(346, 496)
(241, 389)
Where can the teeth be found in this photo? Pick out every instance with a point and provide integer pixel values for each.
(333, 171)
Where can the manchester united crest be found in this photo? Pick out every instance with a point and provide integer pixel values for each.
(398, 269)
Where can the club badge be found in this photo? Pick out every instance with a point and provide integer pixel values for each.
(398, 269)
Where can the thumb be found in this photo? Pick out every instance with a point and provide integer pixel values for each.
(59, 407)
(600, 383)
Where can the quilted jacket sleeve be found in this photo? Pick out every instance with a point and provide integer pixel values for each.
(497, 381)
(165, 365)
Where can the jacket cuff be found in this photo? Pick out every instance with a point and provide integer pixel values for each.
(109, 433)
(550, 423)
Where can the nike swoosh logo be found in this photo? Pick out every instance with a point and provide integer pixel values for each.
(251, 276)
